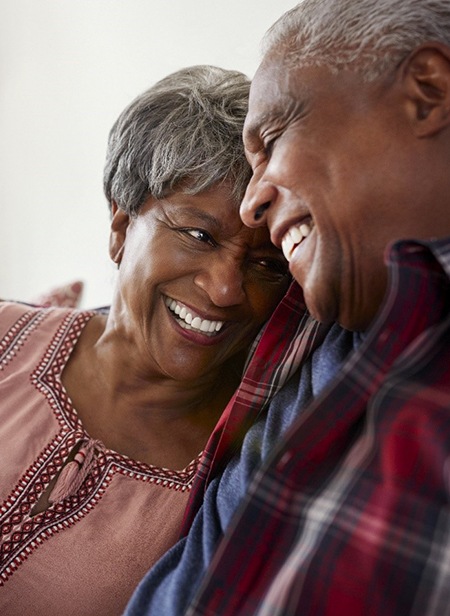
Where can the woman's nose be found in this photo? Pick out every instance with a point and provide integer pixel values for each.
(223, 281)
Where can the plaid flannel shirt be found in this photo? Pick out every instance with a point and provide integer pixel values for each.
(288, 339)
(350, 513)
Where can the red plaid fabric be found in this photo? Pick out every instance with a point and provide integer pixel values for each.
(288, 339)
(351, 512)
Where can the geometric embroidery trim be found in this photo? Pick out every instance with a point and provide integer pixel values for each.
(47, 379)
(47, 376)
(21, 533)
(17, 334)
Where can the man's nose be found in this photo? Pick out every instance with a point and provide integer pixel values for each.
(223, 281)
(256, 202)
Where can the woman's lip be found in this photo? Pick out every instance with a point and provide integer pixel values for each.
(194, 311)
(196, 336)
(204, 332)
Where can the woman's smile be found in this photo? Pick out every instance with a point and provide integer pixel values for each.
(190, 320)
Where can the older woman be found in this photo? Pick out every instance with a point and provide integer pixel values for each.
(103, 417)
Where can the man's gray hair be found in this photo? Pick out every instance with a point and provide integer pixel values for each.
(370, 37)
(183, 134)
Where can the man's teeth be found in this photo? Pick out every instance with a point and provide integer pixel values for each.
(188, 321)
(293, 238)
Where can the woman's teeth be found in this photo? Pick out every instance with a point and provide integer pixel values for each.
(188, 321)
(293, 238)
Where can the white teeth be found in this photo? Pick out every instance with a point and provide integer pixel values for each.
(305, 229)
(287, 244)
(187, 321)
(196, 323)
(293, 238)
(296, 235)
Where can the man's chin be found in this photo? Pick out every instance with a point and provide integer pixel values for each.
(324, 312)
(329, 310)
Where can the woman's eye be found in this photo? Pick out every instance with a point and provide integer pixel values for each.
(275, 267)
(200, 235)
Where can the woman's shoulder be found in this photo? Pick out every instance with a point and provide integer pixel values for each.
(17, 316)
(11, 312)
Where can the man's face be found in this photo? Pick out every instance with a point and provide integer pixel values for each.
(330, 159)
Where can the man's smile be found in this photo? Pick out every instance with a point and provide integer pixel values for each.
(293, 237)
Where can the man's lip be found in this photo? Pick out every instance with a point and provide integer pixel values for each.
(277, 234)
(293, 238)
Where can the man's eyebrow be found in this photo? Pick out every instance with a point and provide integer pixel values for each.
(287, 108)
(252, 128)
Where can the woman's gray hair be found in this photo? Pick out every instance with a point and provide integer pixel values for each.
(183, 134)
(370, 37)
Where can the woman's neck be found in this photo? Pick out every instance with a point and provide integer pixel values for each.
(138, 412)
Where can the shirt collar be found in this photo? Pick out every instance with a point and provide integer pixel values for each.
(402, 251)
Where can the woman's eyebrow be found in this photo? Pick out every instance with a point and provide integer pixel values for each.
(195, 213)
(204, 216)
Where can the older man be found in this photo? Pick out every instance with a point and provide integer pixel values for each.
(348, 134)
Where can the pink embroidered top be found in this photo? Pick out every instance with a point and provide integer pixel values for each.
(110, 517)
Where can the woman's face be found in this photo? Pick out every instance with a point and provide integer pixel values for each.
(195, 284)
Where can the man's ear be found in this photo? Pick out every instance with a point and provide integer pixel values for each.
(426, 77)
(119, 225)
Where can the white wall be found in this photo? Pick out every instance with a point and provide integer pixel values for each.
(67, 69)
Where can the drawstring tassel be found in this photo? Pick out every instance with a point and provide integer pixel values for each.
(74, 473)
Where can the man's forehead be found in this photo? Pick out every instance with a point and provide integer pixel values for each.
(281, 91)
(272, 96)
(267, 84)
(264, 99)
